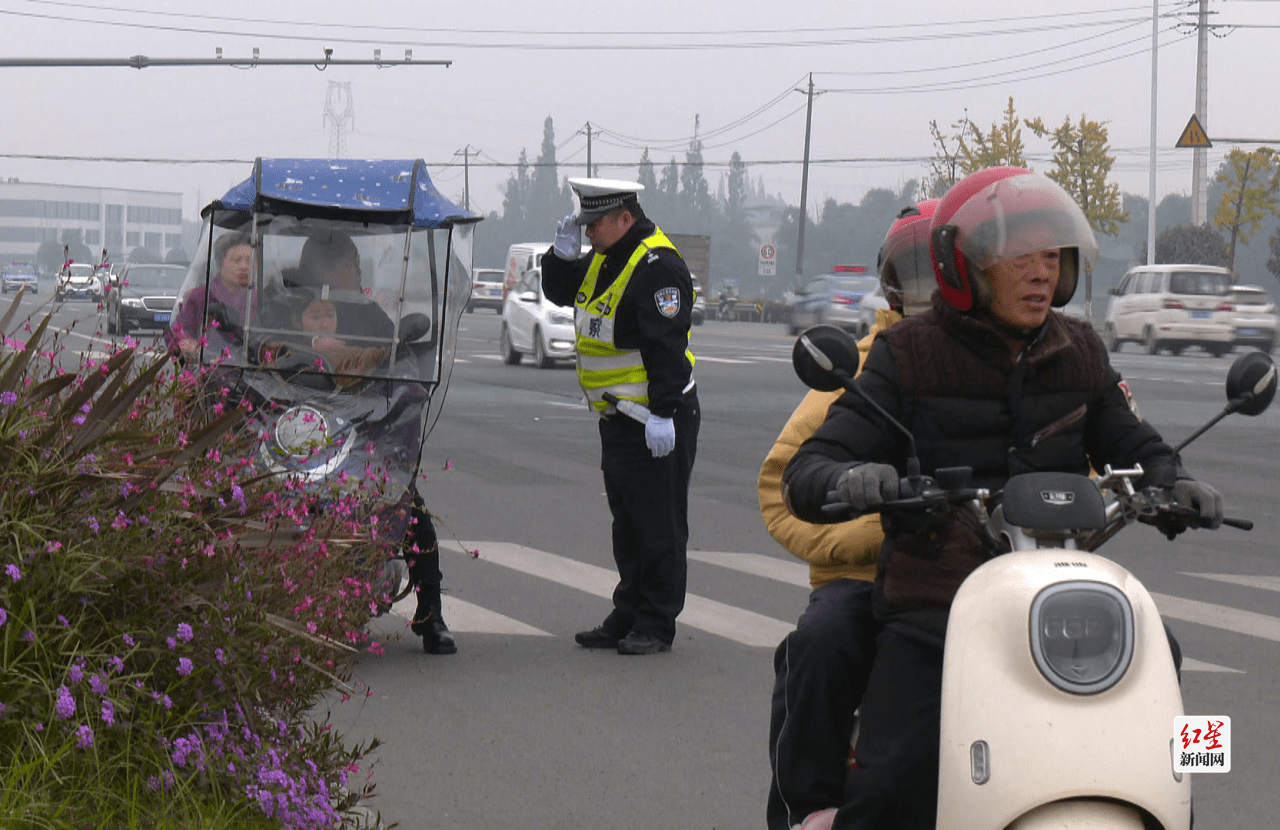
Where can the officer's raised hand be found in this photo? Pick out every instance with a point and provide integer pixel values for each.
(867, 486)
(660, 435)
(568, 244)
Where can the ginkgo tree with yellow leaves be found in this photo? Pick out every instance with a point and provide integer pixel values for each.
(1252, 181)
(1082, 164)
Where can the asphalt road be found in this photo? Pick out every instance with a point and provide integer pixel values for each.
(523, 729)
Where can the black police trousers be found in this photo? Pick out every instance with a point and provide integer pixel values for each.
(649, 500)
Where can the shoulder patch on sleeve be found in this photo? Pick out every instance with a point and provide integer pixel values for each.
(1128, 398)
(668, 301)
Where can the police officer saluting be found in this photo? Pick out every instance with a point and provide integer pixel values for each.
(632, 298)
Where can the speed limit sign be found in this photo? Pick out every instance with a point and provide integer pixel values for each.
(768, 260)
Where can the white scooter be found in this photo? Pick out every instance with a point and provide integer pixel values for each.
(1058, 691)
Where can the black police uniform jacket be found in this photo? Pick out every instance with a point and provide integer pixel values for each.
(951, 380)
(639, 324)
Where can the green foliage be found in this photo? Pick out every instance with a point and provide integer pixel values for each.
(1081, 165)
(1188, 244)
(1252, 182)
(169, 620)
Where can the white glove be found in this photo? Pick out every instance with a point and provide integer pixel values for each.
(660, 435)
(568, 238)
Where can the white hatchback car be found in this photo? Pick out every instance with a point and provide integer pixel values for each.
(1171, 307)
(532, 325)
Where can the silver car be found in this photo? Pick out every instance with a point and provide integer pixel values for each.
(533, 325)
(831, 298)
(1255, 317)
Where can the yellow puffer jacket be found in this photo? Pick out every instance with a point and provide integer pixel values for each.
(848, 550)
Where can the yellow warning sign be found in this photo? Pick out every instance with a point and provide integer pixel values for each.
(1193, 135)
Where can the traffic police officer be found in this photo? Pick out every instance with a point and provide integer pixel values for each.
(632, 300)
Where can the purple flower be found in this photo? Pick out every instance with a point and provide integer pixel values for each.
(96, 683)
(108, 713)
(220, 656)
(184, 666)
(117, 664)
(171, 643)
(76, 673)
(129, 641)
(53, 547)
(84, 736)
(13, 572)
(66, 705)
(4, 616)
(184, 632)
(8, 398)
(93, 521)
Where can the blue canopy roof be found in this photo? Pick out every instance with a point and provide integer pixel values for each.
(346, 186)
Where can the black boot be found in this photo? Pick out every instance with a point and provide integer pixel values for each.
(436, 636)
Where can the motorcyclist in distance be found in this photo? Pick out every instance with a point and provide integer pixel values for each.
(820, 669)
(990, 378)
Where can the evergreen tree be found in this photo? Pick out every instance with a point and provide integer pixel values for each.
(647, 174)
(545, 199)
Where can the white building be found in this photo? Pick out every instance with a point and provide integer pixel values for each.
(118, 220)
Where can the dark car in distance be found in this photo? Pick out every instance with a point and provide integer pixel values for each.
(142, 297)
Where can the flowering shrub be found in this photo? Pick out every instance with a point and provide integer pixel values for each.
(170, 620)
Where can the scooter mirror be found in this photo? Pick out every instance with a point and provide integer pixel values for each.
(414, 327)
(824, 357)
(1251, 383)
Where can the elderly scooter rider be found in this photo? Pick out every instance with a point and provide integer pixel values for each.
(821, 668)
(990, 378)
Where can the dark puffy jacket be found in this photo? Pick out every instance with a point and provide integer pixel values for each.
(952, 381)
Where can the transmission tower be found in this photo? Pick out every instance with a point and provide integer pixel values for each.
(339, 116)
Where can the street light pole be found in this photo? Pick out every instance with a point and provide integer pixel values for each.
(1151, 180)
(804, 185)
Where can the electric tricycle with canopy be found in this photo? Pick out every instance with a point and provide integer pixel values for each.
(326, 294)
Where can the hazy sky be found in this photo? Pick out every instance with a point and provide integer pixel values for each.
(638, 73)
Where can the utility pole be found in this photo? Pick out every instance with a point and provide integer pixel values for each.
(466, 176)
(1200, 159)
(1151, 172)
(804, 185)
(588, 149)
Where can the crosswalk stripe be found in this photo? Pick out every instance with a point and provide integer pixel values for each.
(468, 617)
(730, 622)
(1266, 583)
(769, 567)
(1218, 616)
(749, 627)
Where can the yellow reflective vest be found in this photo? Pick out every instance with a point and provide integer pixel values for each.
(602, 366)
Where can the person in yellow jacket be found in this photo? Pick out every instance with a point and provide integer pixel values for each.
(821, 668)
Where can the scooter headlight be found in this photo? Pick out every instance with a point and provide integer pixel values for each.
(1082, 636)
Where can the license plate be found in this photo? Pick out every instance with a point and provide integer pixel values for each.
(1247, 332)
(1201, 315)
(161, 318)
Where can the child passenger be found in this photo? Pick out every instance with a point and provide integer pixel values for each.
(320, 318)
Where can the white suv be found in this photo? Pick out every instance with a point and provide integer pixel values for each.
(533, 325)
(1171, 307)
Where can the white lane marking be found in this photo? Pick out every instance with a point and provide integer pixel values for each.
(701, 358)
(730, 622)
(1266, 583)
(769, 567)
(487, 356)
(465, 616)
(1217, 616)
(1197, 665)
